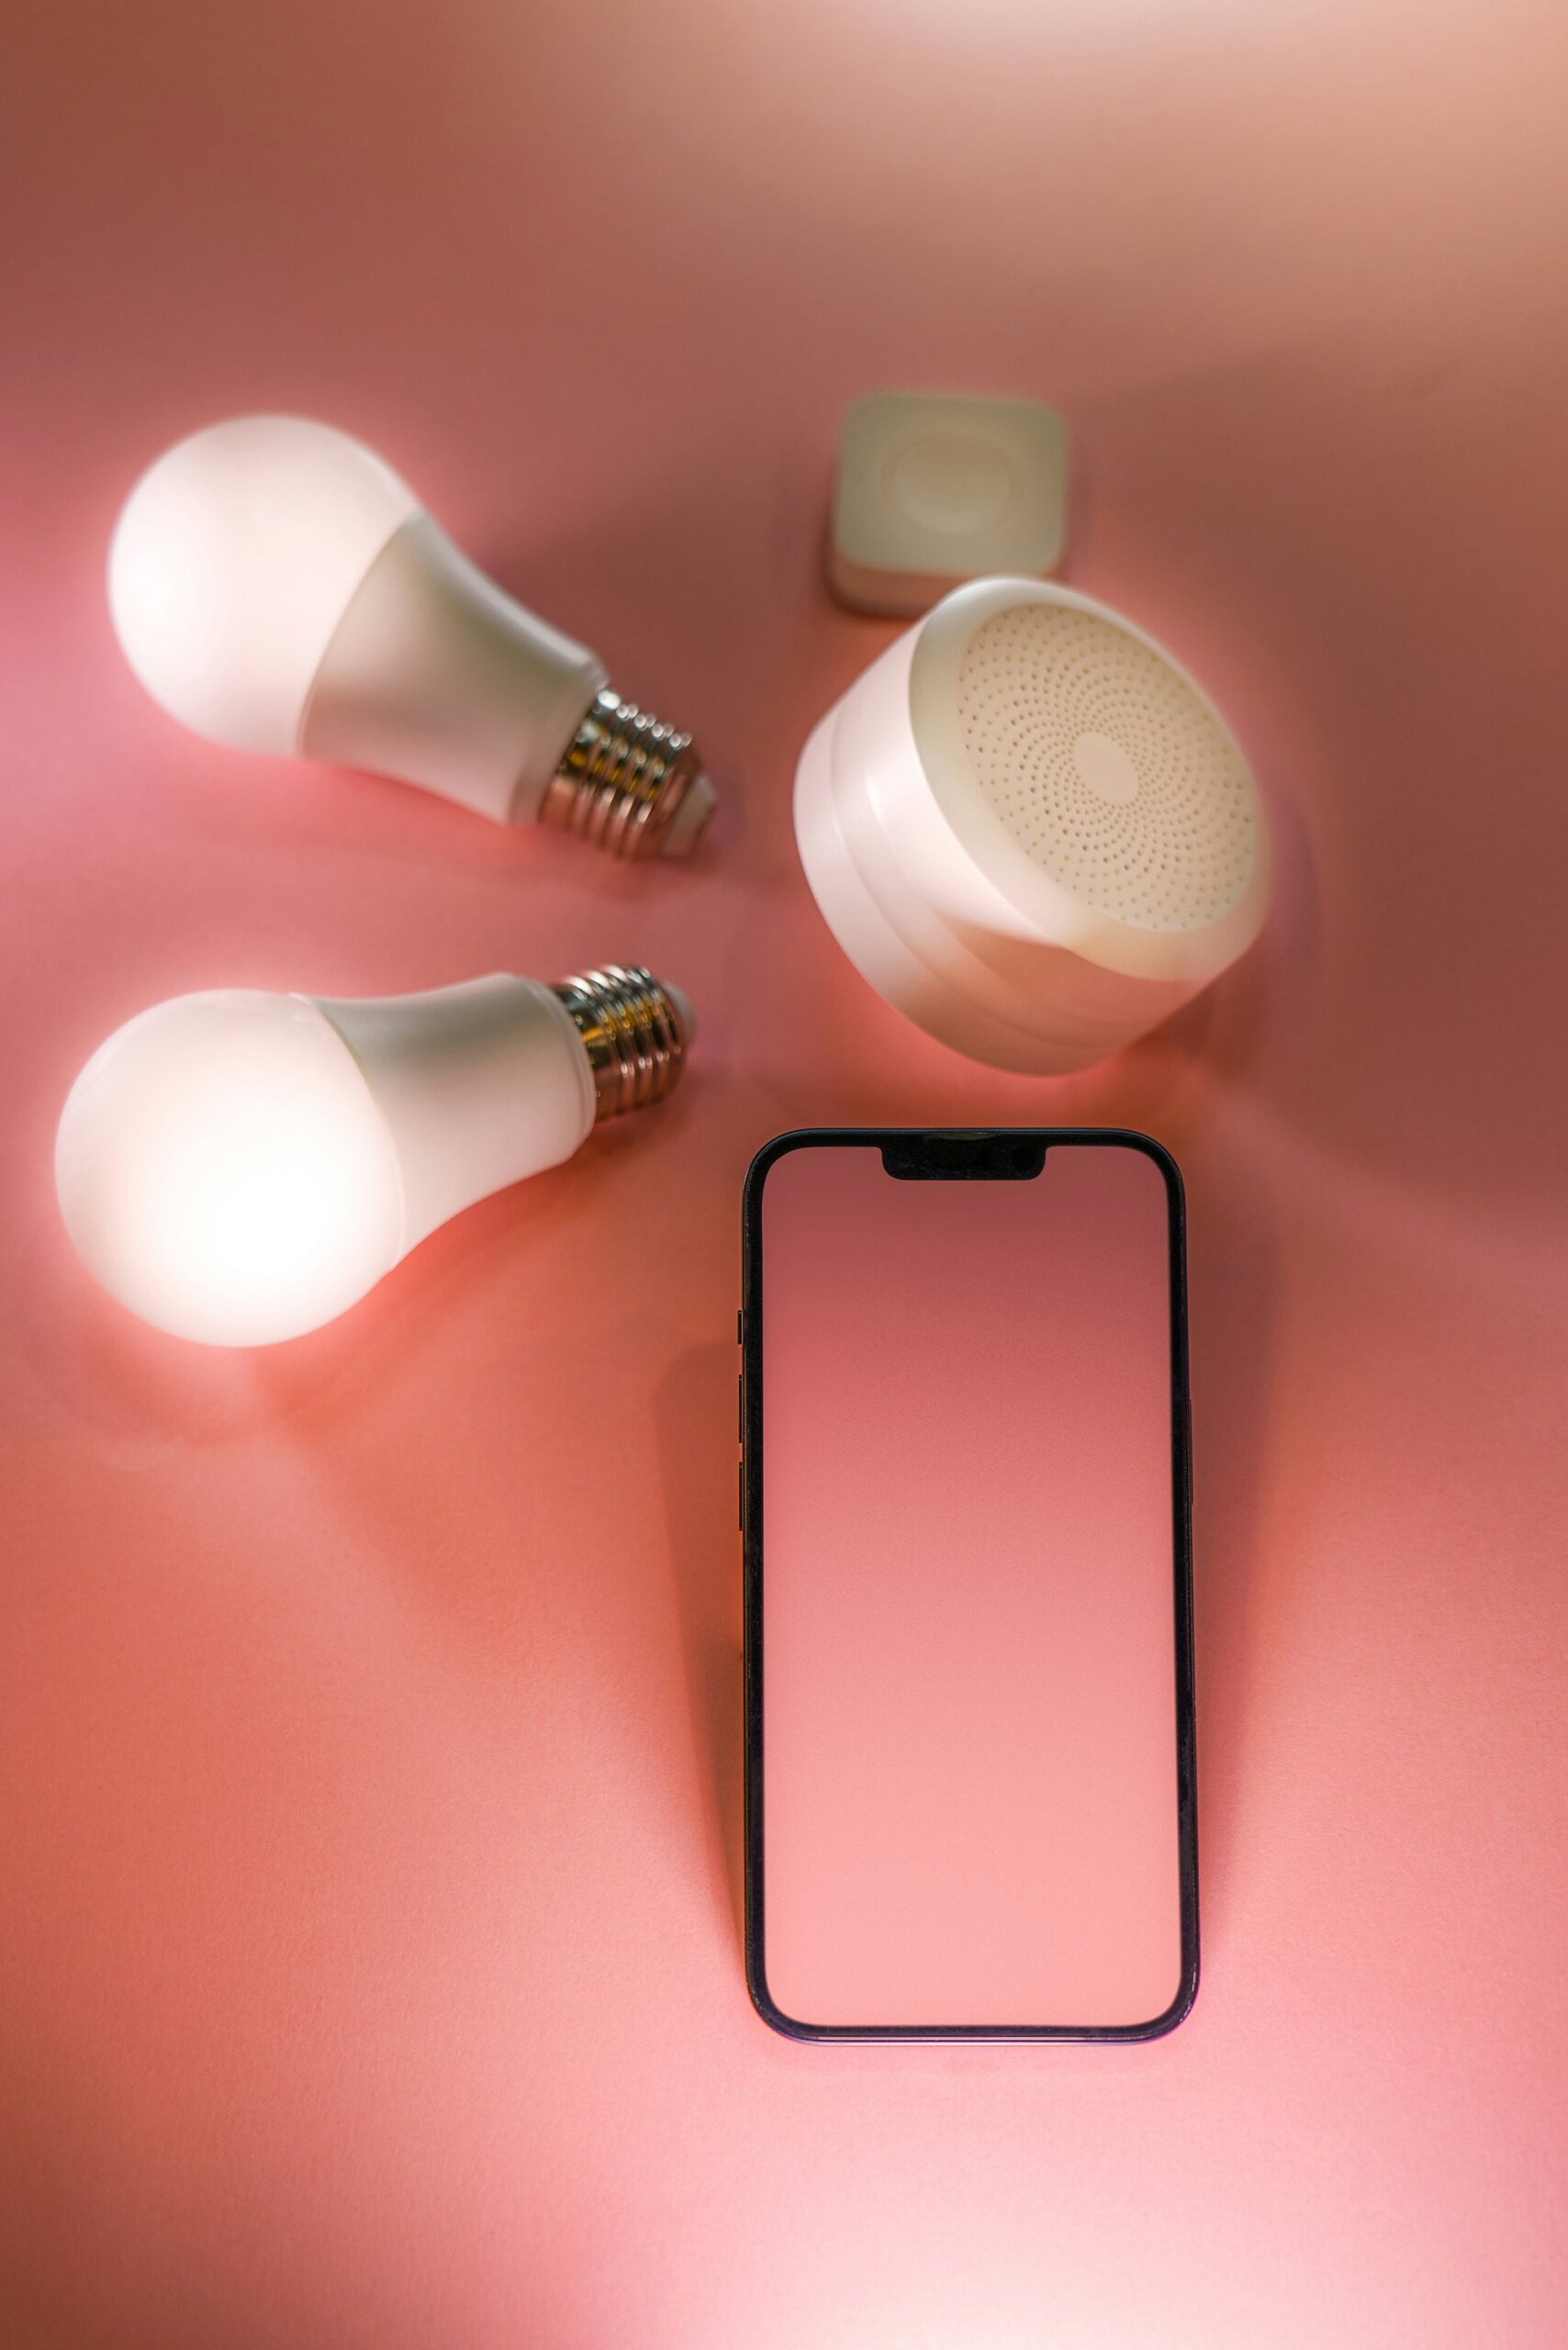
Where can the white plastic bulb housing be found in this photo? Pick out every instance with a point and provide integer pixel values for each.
(278, 589)
(238, 1167)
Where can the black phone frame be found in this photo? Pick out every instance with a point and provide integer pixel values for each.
(958, 1152)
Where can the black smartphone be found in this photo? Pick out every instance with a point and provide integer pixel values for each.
(970, 1801)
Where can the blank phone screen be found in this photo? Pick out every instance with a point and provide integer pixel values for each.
(967, 1602)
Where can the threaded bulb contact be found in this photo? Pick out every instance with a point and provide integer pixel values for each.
(629, 783)
(636, 1032)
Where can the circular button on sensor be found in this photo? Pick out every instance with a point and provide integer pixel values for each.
(1106, 767)
(952, 482)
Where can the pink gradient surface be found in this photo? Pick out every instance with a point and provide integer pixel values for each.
(369, 1710)
(968, 1628)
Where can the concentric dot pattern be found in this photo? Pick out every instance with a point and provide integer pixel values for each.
(1175, 855)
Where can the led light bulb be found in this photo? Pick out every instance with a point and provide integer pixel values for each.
(238, 1167)
(277, 587)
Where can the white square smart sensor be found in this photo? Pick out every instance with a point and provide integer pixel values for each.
(932, 491)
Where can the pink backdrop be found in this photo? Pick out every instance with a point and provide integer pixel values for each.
(368, 1734)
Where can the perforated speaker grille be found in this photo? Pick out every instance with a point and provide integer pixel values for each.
(1106, 768)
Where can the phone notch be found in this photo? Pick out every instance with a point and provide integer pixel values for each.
(955, 1155)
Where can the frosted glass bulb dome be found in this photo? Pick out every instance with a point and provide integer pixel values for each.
(277, 587)
(235, 558)
(240, 1168)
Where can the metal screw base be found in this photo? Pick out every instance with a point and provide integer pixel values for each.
(622, 780)
(636, 1032)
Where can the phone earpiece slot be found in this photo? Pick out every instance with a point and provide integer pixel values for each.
(956, 1156)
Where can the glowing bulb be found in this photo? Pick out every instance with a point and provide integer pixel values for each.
(238, 1167)
(277, 586)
